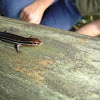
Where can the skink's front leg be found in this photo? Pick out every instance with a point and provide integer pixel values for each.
(17, 48)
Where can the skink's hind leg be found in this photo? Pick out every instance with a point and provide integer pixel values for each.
(17, 48)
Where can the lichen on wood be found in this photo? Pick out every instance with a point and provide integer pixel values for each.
(65, 67)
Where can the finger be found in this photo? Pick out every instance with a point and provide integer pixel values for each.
(24, 17)
(35, 22)
(21, 15)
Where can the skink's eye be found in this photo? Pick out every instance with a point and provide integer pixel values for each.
(35, 43)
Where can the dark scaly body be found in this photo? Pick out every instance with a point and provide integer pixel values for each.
(19, 40)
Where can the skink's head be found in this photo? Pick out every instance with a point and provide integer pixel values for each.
(35, 42)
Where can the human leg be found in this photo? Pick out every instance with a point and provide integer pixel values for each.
(63, 15)
(12, 8)
(91, 29)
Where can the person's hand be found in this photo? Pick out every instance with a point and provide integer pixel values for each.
(33, 13)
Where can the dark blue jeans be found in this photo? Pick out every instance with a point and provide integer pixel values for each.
(62, 14)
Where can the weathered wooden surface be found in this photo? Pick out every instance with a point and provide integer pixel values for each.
(65, 67)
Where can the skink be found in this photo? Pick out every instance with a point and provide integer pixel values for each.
(19, 40)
